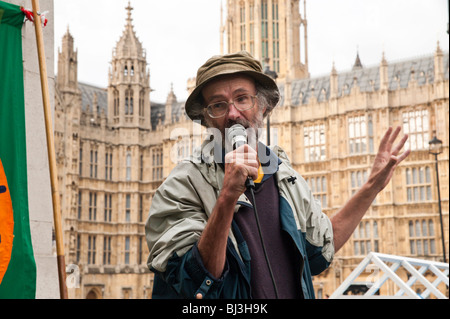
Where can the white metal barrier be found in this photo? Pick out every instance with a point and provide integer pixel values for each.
(415, 267)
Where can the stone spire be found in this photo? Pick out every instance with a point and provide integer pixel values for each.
(438, 64)
(129, 8)
(358, 64)
(129, 44)
(384, 80)
(67, 65)
(129, 80)
(334, 86)
(170, 104)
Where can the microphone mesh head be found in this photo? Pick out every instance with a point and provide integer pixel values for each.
(237, 135)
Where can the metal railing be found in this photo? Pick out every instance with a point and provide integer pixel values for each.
(416, 269)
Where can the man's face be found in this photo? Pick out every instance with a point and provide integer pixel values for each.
(227, 88)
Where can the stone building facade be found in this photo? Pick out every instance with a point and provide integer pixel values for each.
(110, 161)
(115, 147)
(331, 128)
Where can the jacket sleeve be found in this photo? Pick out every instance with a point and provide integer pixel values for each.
(311, 221)
(176, 220)
(187, 277)
(319, 236)
(314, 225)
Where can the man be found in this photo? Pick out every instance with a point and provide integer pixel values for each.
(210, 236)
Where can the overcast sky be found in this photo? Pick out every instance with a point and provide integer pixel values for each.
(180, 35)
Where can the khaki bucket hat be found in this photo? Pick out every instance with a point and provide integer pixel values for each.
(240, 62)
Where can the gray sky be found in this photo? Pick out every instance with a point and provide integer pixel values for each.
(180, 35)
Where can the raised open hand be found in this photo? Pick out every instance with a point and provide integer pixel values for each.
(387, 159)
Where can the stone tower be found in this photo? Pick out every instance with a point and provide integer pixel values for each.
(67, 65)
(271, 31)
(68, 111)
(129, 81)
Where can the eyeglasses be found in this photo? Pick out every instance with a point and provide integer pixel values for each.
(242, 103)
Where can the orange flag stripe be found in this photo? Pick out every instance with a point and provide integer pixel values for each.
(6, 224)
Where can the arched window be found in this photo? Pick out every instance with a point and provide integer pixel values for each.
(116, 103)
(276, 37)
(366, 238)
(370, 134)
(314, 143)
(125, 71)
(129, 102)
(421, 238)
(264, 30)
(416, 125)
(242, 25)
(141, 103)
(127, 250)
(418, 184)
(128, 177)
(131, 105)
(92, 295)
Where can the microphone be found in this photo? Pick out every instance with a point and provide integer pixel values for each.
(237, 136)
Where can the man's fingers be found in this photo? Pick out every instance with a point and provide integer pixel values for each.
(403, 155)
(244, 159)
(253, 173)
(243, 154)
(394, 135)
(395, 160)
(385, 138)
(400, 145)
(389, 138)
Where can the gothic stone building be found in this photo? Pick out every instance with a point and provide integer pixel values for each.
(110, 159)
(115, 147)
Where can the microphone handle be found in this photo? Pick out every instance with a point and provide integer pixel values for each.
(249, 183)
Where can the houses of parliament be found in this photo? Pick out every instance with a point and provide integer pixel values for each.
(114, 147)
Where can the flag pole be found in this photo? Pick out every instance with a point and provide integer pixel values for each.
(51, 152)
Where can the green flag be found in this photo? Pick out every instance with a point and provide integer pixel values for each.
(19, 281)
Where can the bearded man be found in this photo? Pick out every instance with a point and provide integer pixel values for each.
(212, 234)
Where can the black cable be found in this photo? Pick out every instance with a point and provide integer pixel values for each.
(250, 185)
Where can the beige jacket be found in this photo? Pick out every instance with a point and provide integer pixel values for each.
(183, 203)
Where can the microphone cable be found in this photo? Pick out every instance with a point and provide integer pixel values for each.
(250, 186)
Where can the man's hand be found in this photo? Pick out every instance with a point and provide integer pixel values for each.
(239, 164)
(387, 159)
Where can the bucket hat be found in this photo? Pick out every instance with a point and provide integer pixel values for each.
(241, 62)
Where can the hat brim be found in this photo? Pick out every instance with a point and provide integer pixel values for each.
(194, 108)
